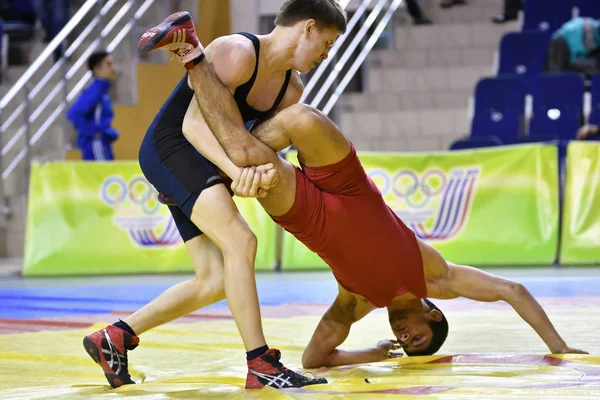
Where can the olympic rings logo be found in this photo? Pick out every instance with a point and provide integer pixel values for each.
(406, 184)
(138, 194)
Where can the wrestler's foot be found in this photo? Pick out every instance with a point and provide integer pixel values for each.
(108, 348)
(266, 370)
(175, 34)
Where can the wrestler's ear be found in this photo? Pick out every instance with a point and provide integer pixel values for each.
(309, 26)
(434, 315)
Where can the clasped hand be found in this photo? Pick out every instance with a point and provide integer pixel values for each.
(255, 181)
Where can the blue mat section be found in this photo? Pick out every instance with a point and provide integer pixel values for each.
(25, 303)
(91, 300)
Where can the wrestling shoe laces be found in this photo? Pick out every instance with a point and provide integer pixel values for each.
(267, 370)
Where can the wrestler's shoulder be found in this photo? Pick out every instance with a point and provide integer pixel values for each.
(235, 44)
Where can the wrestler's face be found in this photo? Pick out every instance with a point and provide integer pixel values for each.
(313, 46)
(412, 329)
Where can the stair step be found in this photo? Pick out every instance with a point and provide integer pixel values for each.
(429, 58)
(451, 36)
(416, 130)
(405, 100)
(474, 11)
(425, 80)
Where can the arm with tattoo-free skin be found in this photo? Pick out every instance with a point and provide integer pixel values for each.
(478, 285)
(214, 89)
(332, 331)
(199, 134)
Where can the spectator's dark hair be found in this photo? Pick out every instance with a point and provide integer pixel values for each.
(327, 13)
(439, 333)
(96, 58)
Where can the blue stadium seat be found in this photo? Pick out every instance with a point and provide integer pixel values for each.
(595, 92)
(523, 53)
(595, 117)
(474, 143)
(562, 91)
(501, 93)
(499, 108)
(504, 125)
(554, 123)
(595, 120)
(588, 8)
(546, 15)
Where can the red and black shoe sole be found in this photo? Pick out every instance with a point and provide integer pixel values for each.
(164, 28)
(113, 379)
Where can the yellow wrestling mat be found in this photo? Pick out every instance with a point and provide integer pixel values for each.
(205, 360)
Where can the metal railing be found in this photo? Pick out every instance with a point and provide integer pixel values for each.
(22, 104)
(338, 77)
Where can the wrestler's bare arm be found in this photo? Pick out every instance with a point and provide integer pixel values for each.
(213, 91)
(270, 132)
(332, 331)
(478, 285)
(195, 129)
(199, 135)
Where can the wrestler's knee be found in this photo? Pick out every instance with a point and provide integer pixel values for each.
(242, 239)
(212, 288)
(302, 117)
(311, 360)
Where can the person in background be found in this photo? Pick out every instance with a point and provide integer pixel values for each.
(414, 9)
(510, 13)
(18, 11)
(92, 113)
(452, 3)
(589, 132)
(53, 15)
(575, 47)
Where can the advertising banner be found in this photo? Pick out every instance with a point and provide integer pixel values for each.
(580, 242)
(494, 206)
(104, 218)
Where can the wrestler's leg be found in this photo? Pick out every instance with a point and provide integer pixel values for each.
(215, 214)
(204, 289)
(317, 139)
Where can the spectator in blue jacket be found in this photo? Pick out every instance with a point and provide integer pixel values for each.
(92, 113)
(575, 47)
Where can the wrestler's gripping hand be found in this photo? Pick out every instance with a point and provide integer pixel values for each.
(255, 181)
(269, 176)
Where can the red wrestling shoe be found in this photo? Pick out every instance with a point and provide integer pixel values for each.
(175, 34)
(266, 370)
(108, 348)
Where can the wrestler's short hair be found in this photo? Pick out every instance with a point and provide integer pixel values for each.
(439, 333)
(327, 13)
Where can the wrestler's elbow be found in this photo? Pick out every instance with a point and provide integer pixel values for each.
(311, 362)
(239, 155)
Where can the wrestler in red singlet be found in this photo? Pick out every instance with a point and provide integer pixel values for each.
(340, 214)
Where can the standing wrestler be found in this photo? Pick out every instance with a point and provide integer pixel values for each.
(259, 72)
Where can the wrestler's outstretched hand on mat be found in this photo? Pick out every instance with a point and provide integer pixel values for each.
(389, 349)
(570, 350)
